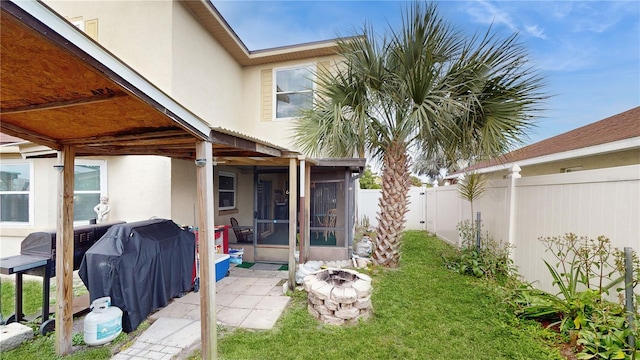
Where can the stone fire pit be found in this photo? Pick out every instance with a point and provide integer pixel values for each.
(338, 296)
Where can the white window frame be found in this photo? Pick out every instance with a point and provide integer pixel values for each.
(572, 169)
(103, 182)
(31, 215)
(78, 22)
(310, 69)
(234, 191)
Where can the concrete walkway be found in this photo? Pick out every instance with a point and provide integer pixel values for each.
(248, 298)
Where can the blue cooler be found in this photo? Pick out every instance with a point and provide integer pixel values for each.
(222, 266)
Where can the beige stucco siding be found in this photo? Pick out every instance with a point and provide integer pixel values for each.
(139, 187)
(163, 42)
(206, 79)
(183, 192)
(137, 32)
(621, 158)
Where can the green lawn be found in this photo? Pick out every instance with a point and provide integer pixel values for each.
(31, 293)
(421, 311)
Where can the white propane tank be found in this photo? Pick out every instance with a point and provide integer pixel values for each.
(103, 323)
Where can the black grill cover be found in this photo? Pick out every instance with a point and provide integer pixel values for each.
(43, 244)
(141, 266)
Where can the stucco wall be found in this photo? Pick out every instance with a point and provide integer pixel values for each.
(206, 79)
(620, 158)
(164, 43)
(137, 32)
(183, 192)
(139, 187)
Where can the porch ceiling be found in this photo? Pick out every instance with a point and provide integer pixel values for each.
(58, 87)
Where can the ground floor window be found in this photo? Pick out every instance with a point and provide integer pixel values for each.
(90, 184)
(15, 192)
(226, 191)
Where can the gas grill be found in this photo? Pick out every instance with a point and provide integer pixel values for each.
(38, 257)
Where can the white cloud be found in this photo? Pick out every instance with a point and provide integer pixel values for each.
(487, 13)
(535, 31)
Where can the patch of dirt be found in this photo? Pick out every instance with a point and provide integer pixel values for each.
(567, 350)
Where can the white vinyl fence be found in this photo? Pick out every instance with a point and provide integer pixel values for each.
(521, 210)
(368, 206)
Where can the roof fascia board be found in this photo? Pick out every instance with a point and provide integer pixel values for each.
(53, 21)
(218, 17)
(292, 49)
(626, 144)
(244, 56)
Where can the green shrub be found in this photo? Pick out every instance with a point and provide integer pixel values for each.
(586, 269)
(492, 260)
(605, 336)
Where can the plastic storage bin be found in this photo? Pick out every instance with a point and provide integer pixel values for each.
(235, 256)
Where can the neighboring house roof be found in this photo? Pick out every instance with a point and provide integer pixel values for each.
(617, 132)
(217, 26)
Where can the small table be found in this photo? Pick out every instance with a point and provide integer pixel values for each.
(20, 264)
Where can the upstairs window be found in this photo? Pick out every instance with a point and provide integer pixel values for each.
(89, 27)
(15, 192)
(226, 191)
(293, 91)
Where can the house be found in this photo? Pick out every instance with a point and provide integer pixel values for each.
(160, 107)
(610, 142)
(245, 98)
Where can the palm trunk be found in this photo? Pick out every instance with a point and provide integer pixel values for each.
(393, 205)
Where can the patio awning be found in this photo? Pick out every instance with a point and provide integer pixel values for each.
(59, 87)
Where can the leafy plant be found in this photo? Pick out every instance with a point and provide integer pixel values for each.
(492, 260)
(586, 269)
(77, 339)
(363, 227)
(368, 179)
(571, 312)
(605, 336)
(595, 264)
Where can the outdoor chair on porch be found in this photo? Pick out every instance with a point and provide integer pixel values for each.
(328, 221)
(243, 234)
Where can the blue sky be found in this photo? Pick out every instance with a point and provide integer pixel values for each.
(588, 51)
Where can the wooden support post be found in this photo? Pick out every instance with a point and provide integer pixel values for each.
(300, 238)
(307, 215)
(293, 201)
(64, 252)
(206, 238)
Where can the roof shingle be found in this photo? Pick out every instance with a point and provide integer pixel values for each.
(625, 125)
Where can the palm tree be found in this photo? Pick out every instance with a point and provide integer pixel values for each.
(471, 187)
(424, 88)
